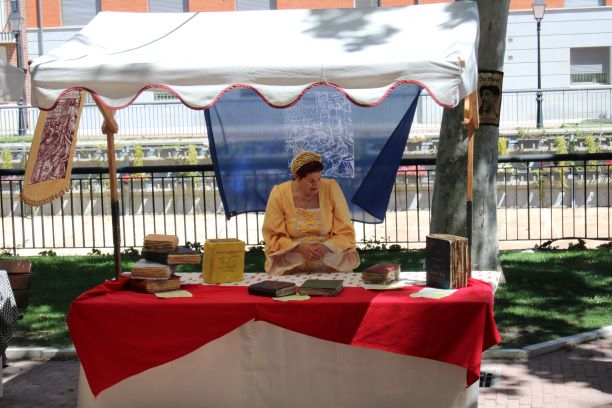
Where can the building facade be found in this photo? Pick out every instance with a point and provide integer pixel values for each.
(576, 38)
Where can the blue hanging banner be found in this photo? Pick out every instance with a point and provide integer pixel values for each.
(252, 144)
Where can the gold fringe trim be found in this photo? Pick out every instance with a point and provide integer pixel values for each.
(36, 203)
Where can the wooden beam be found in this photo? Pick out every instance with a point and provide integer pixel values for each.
(110, 128)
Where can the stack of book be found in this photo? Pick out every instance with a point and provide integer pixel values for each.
(161, 255)
(153, 277)
(321, 287)
(381, 273)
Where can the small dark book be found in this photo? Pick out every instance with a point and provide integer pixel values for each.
(321, 287)
(447, 261)
(273, 288)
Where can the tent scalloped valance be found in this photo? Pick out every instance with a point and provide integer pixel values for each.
(280, 54)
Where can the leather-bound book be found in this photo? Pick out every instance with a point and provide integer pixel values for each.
(183, 255)
(447, 261)
(144, 269)
(154, 286)
(381, 273)
(321, 287)
(273, 288)
(160, 243)
(180, 256)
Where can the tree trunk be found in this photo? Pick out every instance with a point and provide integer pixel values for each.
(449, 197)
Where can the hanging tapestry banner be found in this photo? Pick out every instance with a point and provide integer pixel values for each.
(49, 166)
(252, 145)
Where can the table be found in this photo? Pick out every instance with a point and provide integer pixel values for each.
(232, 349)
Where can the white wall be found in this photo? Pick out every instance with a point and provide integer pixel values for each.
(561, 29)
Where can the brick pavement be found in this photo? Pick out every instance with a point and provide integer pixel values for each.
(579, 376)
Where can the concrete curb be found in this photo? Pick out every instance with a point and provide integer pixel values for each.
(39, 353)
(42, 353)
(546, 347)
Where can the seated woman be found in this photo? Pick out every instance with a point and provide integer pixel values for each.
(307, 227)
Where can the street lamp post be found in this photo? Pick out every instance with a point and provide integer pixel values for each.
(15, 22)
(539, 7)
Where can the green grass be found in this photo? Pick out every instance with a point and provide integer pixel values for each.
(547, 294)
(553, 294)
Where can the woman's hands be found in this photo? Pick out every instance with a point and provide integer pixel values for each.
(312, 252)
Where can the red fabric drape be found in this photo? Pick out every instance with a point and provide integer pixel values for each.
(118, 333)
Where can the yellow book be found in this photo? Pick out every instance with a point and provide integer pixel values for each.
(223, 260)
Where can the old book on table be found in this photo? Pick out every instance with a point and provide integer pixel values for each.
(183, 255)
(160, 243)
(321, 287)
(180, 256)
(447, 261)
(154, 286)
(381, 273)
(144, 269)
(223, 260)
(273, 288)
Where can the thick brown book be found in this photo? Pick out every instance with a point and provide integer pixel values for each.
(447, 261)
(273, 288)
(381, 273)
(144, 269)
(154, 286)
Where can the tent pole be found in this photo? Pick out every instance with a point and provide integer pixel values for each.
(471, 122)
(110, 128)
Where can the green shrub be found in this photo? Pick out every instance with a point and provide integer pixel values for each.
(502, 146)
(7, 159)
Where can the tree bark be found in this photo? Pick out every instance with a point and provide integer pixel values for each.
(449, 197)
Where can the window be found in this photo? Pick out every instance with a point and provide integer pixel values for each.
(584, 3)
(168, 6)
(367, 3)
(164, 96)
(590, 65)
(243, 5)
(79, 12)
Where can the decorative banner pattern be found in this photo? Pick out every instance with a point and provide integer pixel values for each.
(323, 124)
(489, 96)
(49, 165)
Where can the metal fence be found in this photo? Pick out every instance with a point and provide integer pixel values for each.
(539, 197)
(172, 119)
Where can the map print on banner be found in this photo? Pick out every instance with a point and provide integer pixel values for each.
(323, 124)
(57, 136)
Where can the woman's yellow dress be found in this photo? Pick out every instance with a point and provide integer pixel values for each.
(286, 226)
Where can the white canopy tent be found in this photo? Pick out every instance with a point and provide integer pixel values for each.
(280, 54)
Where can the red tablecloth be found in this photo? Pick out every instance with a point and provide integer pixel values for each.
(119, 333)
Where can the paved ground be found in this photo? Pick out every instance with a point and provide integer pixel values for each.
(576, 377)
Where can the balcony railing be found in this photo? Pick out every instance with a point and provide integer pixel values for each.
(539, 198)
(599, 78)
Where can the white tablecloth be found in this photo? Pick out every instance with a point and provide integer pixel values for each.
(8, 316)
(260, 365)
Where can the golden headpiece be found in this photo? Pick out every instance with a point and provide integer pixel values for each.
(303, 158)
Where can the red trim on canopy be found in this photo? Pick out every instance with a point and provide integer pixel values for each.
(229, 88)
